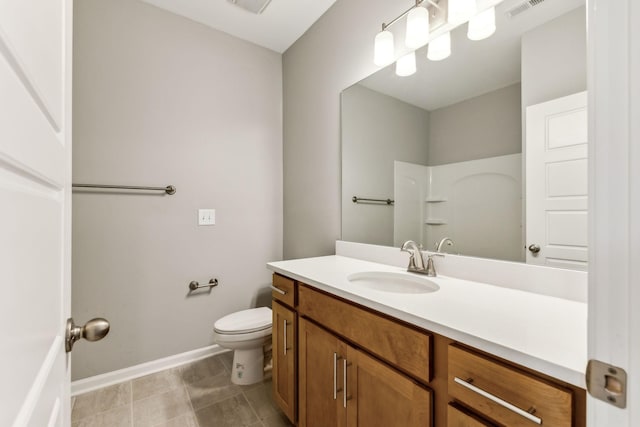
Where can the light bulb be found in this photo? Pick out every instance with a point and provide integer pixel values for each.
(383, 48)
(417, 34)
(440, 47)
(460, 11)
(406, 65)
(482, 25)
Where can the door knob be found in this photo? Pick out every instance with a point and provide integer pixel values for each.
(93, 330)
(534, 248)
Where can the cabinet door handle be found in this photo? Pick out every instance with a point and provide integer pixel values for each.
(335, 376)
(284, 334)
(278, 290)
(344, 382)
(499, 401)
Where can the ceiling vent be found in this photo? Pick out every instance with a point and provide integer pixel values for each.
(255, 6)
(522, 7)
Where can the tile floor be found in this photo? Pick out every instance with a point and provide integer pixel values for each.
(199, 394)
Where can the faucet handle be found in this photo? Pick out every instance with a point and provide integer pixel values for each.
(431, 268)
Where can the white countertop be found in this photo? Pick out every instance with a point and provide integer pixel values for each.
(543, 333)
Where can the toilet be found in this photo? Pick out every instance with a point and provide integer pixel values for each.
(245, 332)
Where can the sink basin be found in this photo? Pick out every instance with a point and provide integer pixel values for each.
(397, 283)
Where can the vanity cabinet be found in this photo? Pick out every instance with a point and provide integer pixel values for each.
(340, 364)
(284, 345)
(341, 385)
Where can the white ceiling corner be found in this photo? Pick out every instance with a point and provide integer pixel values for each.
(277, 28)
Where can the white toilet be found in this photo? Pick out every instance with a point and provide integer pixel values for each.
(245, 332)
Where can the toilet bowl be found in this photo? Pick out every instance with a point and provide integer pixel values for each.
(245, 332)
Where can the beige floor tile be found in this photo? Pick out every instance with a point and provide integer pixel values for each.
(261, 400)
(232, 412)
(101, 400)
(118, 417)
(160, 382)
(161, 407)
(205, 368)
(211, 390)
(186, 420)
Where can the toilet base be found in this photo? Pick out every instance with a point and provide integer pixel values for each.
(247, 366)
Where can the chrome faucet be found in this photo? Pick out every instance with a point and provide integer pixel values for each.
(444, 240)
(416, 262)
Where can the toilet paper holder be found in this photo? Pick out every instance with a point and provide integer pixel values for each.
(193, 285)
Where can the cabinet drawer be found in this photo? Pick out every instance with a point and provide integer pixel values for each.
(287, 290)
(404, 347)
(505, 394)
(457, 417)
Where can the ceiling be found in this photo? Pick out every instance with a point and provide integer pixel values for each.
(474, 67)
(277, 28)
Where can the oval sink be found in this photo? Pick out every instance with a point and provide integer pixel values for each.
(388, 281)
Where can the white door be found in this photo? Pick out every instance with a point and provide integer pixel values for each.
(556, 182)
(614, 207)
(35, 194)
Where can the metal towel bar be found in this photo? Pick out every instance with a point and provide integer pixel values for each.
(193, 285)
(169, 189)
(356, 199)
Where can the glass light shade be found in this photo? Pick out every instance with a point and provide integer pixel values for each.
(406, 65)
(417, 34)
(460, 10)
(440, 47)
(482, 25)
(383, 48)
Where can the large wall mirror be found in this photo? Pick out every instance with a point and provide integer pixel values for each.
(486, 147)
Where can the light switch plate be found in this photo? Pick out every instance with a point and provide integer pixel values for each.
(206, 216)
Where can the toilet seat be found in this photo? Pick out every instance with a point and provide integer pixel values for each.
(245, 321)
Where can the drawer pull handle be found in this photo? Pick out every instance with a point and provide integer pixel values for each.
(278, 290)
(499, 401)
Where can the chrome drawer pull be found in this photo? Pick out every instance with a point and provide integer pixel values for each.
(278, 290)
(499, 401)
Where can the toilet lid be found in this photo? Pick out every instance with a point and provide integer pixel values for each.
(245, 321)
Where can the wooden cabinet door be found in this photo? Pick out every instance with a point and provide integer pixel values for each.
(319, 367)
(378, 395)
(284, 359)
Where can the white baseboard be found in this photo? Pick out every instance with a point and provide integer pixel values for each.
(103, 380)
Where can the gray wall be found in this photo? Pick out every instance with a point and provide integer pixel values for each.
(554, 59)
(485, 126)
(336, 52)
(376, 130)
(159, 100)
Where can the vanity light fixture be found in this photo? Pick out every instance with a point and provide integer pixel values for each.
(482, 25)
(406, 65)
(440, 47)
